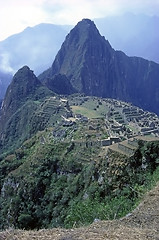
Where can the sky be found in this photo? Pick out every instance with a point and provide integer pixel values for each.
(16, 15)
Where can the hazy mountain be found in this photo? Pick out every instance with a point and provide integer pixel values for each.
(93, 67)
(35, 47)
(136, 35)
(18, 117)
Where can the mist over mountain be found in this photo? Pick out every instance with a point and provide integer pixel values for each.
(35, 47)
(93, 67)
(136, 35)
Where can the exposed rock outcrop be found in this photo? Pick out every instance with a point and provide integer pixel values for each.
(93, 67)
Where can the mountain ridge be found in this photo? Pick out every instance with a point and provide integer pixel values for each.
(127, 32)
(19, 108)
(23, 84)
(46, 45)
(93, 67)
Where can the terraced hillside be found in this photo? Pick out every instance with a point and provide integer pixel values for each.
(63, 176)
(128, 147)
(66, 175)
(121, 119)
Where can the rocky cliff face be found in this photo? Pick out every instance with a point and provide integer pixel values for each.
(60, 84)
(93, 67)
(79, 58)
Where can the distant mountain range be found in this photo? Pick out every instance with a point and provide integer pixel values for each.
(136, 35)
(35, 47)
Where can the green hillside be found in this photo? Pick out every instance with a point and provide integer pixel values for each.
(58, 164)
(51, 182)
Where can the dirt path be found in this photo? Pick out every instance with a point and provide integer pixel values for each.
(141, 224)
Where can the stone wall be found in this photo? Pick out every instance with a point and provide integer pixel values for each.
(126, 149)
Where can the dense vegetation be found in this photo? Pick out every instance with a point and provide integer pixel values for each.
(48, 184)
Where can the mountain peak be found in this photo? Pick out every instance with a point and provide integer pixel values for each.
(84, 49)
(23, 85)
(94, 68)
(25, 74)
(86, 21)
(24, 82)
(85, 28)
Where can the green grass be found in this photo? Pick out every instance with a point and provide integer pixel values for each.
(89, 113)
(91, 108)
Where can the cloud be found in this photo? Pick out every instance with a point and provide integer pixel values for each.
(18, 14)
(5, 63)
(71, 11)
(67, 12)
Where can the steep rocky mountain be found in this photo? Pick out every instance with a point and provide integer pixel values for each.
(60, 84)
(37, 46)
(93, 67)
(43, 41)
(21, 113)
(24, 83)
